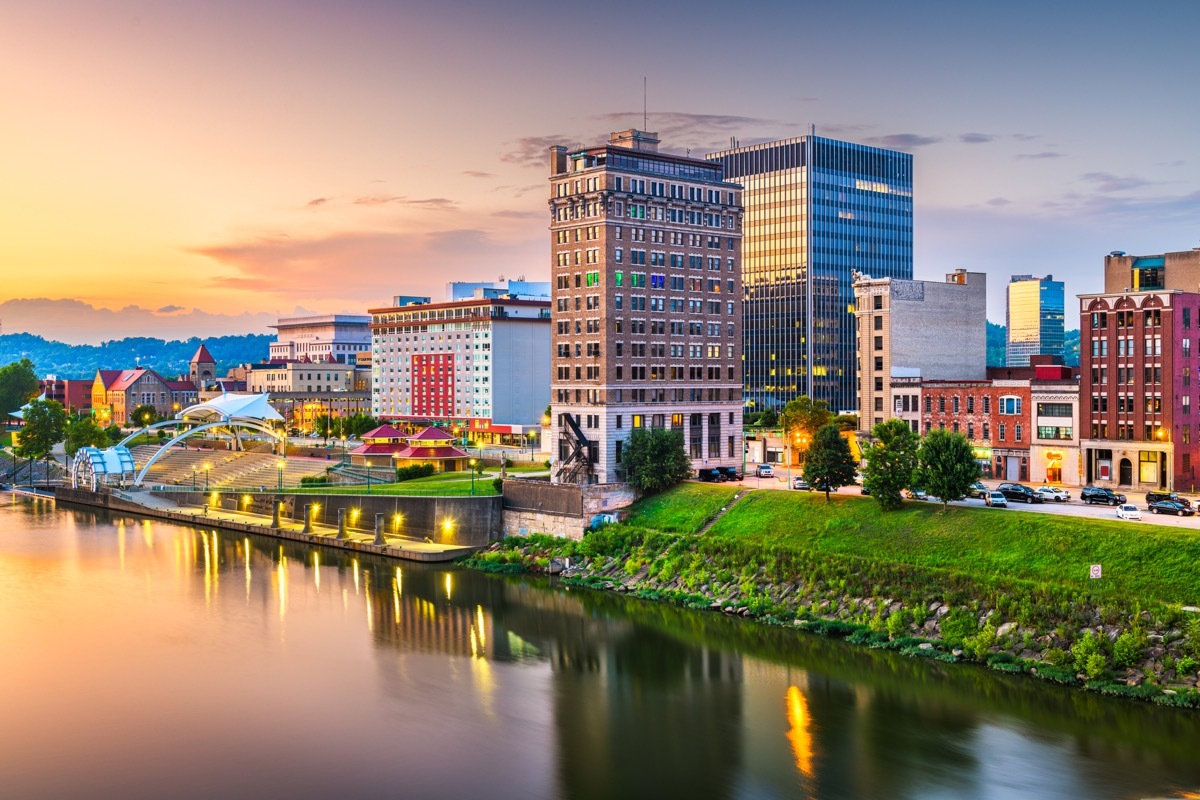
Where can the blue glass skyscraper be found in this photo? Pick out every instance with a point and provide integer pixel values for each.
(817, 210)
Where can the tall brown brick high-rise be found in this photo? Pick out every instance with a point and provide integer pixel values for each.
(647, 305)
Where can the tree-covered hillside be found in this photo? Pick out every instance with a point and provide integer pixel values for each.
(167, 358)
(996, 335)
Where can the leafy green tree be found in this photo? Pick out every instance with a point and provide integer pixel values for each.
(45, 426)
(114, 434)
(768, 418)
(141, 417)
(846, 422)
(18, 385)
(946, 466)
(802, 418)
(891, 461)
(829, 462)
(84, 432)
(655, 459)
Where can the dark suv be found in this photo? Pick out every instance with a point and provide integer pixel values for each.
(1154, 497)
(1015, 491)
(1094, 494)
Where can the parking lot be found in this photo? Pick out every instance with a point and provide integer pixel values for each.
(1072, 508)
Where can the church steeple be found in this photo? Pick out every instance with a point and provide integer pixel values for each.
(202, 369)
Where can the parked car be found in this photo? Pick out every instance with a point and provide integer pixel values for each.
(730, 473)
(800, 483)
(996, 499)
(1171, 507)
(1154, 497)
(764, 471)
(711, 475)
(917, 494)
(1094, 494)
(979, 489)
(1015, 491)
(1053, 493)
(1128, 511)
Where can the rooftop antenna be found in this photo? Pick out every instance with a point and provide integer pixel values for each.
(813, 125)
(645, 123)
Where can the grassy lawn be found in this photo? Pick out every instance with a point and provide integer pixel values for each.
(683, 509)
(454, 484)
(1140, 561)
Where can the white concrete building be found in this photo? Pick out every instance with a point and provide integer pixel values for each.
(328, 337)
(480, 365)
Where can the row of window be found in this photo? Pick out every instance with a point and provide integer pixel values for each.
(1151, 318)
(1007, 405)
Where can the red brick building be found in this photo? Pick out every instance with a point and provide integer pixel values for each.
(993, 414)
(1137, 394)
(75, 395)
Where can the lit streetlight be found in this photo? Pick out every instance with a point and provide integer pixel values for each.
(472, 477)
(193, 478)
(279, 465)
(368, 463)
(207, 467)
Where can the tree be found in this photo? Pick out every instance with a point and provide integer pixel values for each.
(891, 462)
(655, 459)
(804, 416)
(946, 466)
(45, 424)
(768, 418)
(84, 432)
(18, 384)
(114, 434)
(846, 422)
(829, 462)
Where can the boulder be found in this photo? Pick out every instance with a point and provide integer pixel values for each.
(1006, 629)
(925, 646)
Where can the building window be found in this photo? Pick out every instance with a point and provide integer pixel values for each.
(1001, 432)
(878, 342)
(1017, 431)
(1010, 406)
(942, 405)
(970, 404)
(954, 404)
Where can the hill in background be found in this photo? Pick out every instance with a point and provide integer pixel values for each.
(996, 337)
(169, 359)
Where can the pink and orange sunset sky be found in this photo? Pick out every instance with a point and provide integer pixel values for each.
(175, 169)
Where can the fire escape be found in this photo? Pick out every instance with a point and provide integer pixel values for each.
(577, 466)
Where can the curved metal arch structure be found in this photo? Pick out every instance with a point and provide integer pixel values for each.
(165, 423)
(225, 423)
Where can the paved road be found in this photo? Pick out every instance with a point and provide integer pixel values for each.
(1072, 507)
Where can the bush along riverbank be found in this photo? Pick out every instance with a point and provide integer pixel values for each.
(808, 574)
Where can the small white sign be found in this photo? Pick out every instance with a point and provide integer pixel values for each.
(1096, 571)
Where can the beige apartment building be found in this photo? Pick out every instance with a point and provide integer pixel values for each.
(647, 305)
(913, 331)
(1126, 273)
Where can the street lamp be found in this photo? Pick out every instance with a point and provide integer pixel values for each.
(368, 463)
(279, 465)
(193, 478)
(207, 467)
(343, 448)
(472, 477)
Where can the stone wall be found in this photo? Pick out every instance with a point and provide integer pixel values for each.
(555, 498)
(608, 498)
(523, 523)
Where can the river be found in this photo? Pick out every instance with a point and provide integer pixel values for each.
(146, 660)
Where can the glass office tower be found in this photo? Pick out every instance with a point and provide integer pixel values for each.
(817, 211)
(1035, 319)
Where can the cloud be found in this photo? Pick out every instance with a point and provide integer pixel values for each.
(1107, 182)
(474, 173)
(433, 203)
(509, 213)
(1047, 154)
(320, 201)
(998, 202)
(533, 151)
(975, 138)
(370, 266)
(77, 322)
(903, 141)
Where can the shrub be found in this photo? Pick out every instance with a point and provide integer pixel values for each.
(309, 480)
(1083, 651)
(957, 625)
(1187, 666)
(1055, 657)
(1095, 666)
(1128, 649)
(414, 471)
(979, 644)
(898, 622)
(498, 484)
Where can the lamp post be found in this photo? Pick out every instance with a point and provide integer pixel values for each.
(193, 479)
(279, 466)
(207, 467)
(343, 448)
(368, 463)
(472, 477)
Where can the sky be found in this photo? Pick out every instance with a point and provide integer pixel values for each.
(175, 169)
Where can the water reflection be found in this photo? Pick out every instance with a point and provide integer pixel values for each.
(449, 683)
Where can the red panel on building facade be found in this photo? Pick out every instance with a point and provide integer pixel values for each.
(433, 384)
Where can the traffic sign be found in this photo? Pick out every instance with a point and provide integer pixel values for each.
(1096, 571)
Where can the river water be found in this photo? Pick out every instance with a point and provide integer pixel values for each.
(148, 660)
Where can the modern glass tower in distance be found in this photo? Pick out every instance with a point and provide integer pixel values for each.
(1035, 319)
(817, 211)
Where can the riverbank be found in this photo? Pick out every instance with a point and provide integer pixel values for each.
(1012, 592)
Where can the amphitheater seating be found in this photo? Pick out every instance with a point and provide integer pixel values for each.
(228, 468)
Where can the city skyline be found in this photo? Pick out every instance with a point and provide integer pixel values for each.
(176, 170)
